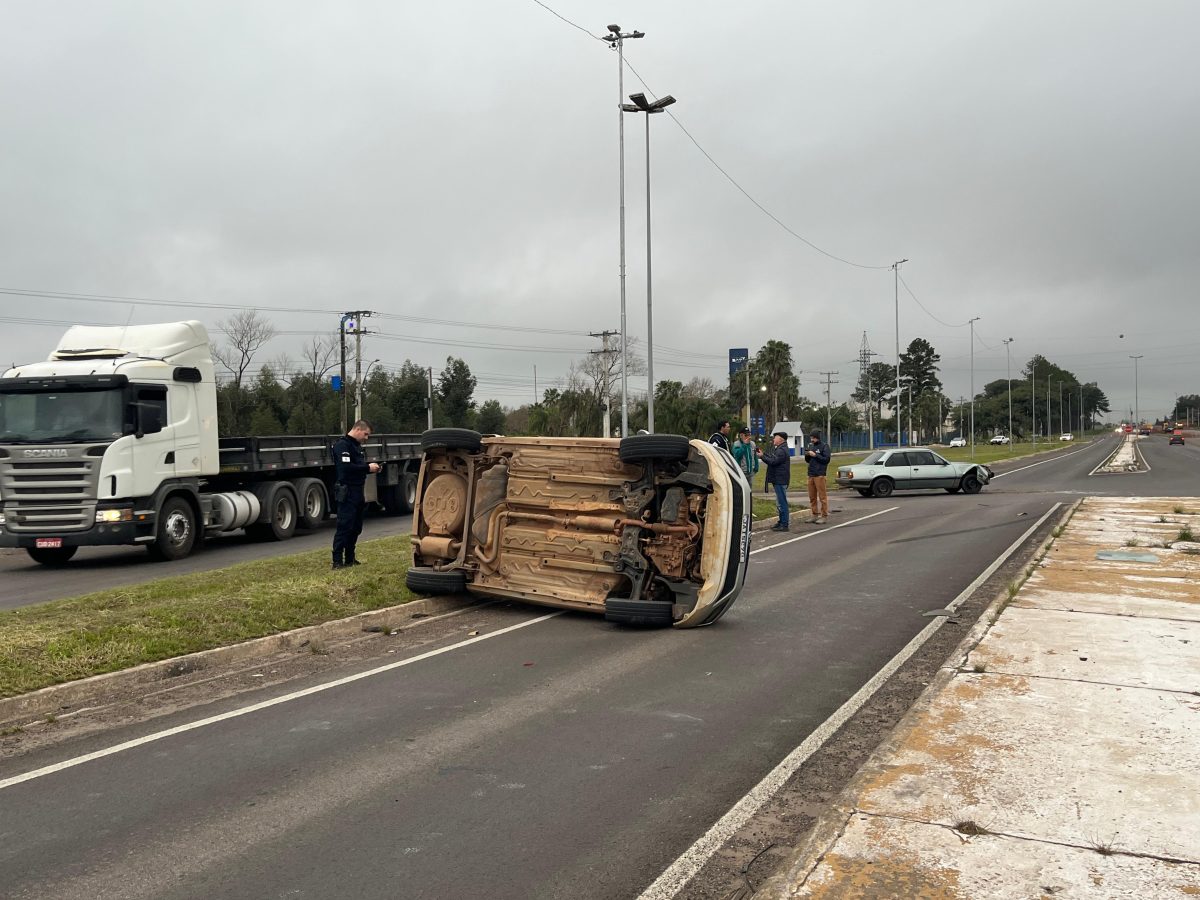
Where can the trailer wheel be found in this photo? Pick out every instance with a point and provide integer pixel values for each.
(313, 503)
(643, 447)
(279, 506)
(423, 580)
(398, 499)
(51, 556)
(175, 532)
(451, 439)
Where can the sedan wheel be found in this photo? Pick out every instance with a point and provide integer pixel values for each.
(971, 484)
(882, 487)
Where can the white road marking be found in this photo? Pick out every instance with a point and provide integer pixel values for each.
(673, 880)
(235, 713)
(804, 537)
(1054, 458)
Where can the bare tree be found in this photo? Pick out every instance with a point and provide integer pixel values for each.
(601, 371)
(245, 333)
(320, 355)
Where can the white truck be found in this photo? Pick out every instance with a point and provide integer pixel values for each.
(114, 440)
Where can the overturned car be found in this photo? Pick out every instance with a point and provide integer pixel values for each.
(652, 529)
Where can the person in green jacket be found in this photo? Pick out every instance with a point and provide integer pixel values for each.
(743, 454)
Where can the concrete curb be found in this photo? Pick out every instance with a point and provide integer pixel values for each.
(832, 823)
(59, 697)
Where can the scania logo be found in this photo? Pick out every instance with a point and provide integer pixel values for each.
(49, 453)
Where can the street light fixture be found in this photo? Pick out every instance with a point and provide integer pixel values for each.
(640, 104)
(896, 269)
(616, 38)
(1008, 373)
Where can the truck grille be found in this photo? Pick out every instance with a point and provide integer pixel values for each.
(49, 496)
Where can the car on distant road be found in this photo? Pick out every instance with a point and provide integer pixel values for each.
(958, 442)
(1066, 436)
(652, 529)
(999, 439)
(912, 469)
(1176, 438)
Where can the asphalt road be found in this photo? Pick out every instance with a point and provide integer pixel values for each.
(563, 757)
(22, 581)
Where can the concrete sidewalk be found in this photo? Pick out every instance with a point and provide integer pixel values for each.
(1059, 756)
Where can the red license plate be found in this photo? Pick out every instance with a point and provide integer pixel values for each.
(48, 543)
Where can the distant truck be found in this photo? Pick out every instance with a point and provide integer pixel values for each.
(113, 440)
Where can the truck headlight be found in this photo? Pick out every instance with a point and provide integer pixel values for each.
(114, 515)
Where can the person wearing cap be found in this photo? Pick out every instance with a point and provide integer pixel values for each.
(817, 456)
(744, 454)
(779, 473)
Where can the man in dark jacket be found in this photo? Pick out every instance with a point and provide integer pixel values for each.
(352, 469)
(817, 455)
(779, 473)
(720, 437)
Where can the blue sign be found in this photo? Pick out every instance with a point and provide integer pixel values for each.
(760, 425)
(738, 357)
(336, 383)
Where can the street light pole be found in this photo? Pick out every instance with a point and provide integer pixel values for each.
(616, 38)
(1008, 374)
(972, 322)
(640, 104)
(1137, 411)
(896, 270)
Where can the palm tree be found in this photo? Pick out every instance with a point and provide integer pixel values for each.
(773, 367)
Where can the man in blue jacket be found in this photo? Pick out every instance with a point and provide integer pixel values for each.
(817, 456)
(352, 469)
(779, 473)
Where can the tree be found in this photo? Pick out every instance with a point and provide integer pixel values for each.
(875, 383)
(456, 388)
(774, 369)
(919, 367)
(492, 418)
(245, 334)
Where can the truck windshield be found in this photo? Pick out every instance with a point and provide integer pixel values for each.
(62, 416)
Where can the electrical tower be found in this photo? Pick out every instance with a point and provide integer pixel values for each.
(864, 376)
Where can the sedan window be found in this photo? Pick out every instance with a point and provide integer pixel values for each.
(941, 461)
(897, 459)
(921, 458)
(873, 458)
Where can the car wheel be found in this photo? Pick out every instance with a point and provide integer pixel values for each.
(971, 483)
(866, 492)
(451, 439)
(882, 487)
(651, 613)
(644, 447)
(175, 534)
(423, 580)
(51, 556)
(952, 490)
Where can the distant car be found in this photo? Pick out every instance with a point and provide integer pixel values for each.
(912, 469)
(1176, 438)
(1065, 436)
(652, 529)
(958, 442)
(1144, 432)
(999, 439)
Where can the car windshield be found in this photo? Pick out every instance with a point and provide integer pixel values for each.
(61, 416)
(873, 458)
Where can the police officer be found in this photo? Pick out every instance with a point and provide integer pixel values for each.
(352, 469)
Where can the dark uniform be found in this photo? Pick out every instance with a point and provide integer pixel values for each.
(352, 468)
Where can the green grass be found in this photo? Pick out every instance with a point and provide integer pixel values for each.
(64, 640)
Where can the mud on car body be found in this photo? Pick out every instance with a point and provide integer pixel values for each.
(650, 529)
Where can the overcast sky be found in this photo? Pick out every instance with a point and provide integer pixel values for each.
(458, 161)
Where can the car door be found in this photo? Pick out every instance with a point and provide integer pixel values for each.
(896, 467)
(924, 471)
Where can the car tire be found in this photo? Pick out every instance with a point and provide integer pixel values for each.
(51, 556)
(451, 439)
(866, 492)
(175, 530)
(645, 447)
(971, 484)
(882, 487)
(952, 490)
(643, 613)
(423, 580)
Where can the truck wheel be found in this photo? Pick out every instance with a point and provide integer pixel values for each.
(652, 613)
(175, 533)
(51, 556)
(644, 447)
(451, 439)
(313, 503)
(398, 499)
(279, 505)
(423, 580)
(882, 487)
(971, 483)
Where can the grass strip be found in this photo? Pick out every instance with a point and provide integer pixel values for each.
(65, 640)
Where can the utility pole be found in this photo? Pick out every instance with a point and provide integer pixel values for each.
(358, 382)
(910, 429)
(864, 368)
(1033, 402)
(972, 322)
(1060, 409)
(1049, 421)
(429, 398)
(354, 317)
(1008, 373)
(606, 354)
(828, 403)
(535, 390)
(896, 271)
(1137, 411)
